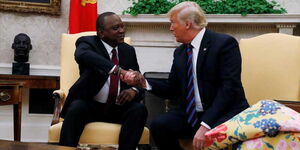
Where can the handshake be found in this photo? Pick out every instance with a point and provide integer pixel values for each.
(133, 78)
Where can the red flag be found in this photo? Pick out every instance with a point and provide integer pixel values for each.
(83, 16)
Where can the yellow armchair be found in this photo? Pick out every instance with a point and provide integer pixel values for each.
(271, 67)
(68, 75)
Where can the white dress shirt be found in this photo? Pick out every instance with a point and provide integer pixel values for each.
(103, 93)
(196, 42)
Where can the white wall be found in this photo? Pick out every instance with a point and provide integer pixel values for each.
(292, 6)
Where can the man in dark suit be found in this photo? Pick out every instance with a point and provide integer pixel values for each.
(98, 94)
(205, 76)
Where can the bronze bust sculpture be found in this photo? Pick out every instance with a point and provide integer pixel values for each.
(22, 46)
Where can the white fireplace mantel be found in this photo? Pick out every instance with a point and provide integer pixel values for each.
(284, 22)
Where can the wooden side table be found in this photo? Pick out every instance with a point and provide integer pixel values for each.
(11, 94)
(14, 85)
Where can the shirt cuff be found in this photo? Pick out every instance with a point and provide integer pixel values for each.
(148, 86)
(205, 125)
(135, 89)
(112, 70)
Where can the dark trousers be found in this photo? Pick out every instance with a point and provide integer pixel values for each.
(132, 116)
(167, 128)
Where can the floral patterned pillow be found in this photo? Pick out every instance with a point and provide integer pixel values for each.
(283, 141)
(265, 118)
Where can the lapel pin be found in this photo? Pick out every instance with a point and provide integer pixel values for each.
(204, 49)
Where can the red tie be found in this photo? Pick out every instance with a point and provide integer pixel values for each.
(114, 80)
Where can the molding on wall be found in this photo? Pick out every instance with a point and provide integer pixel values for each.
(221, 18)
(154, 35)
(155, 28)
(45, 70)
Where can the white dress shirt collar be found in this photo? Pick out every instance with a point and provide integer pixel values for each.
(109, 48)
(196, 42)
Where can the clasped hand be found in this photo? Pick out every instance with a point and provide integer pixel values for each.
(133, 78)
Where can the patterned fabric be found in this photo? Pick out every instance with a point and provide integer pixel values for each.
(283, 141)
(258, 124)
(190, 97)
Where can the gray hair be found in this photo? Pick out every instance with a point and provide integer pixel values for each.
(190, 11)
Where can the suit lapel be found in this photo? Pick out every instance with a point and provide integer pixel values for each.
(204, 47)
(101, 49)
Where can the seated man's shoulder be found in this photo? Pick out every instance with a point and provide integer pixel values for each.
(125, 46)
(222, 38)
(87, 38)
(219, 35)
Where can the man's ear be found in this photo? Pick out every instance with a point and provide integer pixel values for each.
(188, 24)
(30, 47)
(99, 34)
(13, 46)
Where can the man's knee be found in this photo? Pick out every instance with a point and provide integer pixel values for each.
(139, 109)
(157, 124)
(77, 107)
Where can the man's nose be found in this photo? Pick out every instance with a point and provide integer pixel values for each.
(23, 44)
(171, 28)
(122, 29)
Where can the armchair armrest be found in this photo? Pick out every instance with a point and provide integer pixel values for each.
(58, 96)
(295, 105)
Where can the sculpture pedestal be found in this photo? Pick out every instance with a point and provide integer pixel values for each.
(20, 68)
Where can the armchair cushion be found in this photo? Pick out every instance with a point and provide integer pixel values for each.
(266, 118)
(96, 133)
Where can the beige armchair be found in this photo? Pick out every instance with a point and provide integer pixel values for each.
(271, 67)
(96, 132)
(270, 70)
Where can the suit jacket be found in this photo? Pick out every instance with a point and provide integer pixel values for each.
(94, 66)
(218, 76)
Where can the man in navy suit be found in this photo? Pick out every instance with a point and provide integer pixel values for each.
(205, 76)
(98, 94)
